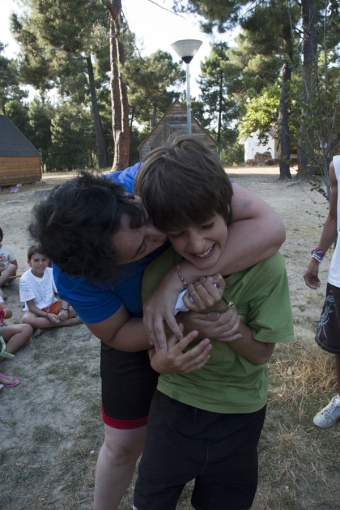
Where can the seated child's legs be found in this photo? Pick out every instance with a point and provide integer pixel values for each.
(184, 443)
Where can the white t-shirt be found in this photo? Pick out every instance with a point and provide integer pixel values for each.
(42, 290)
(334, 270)
(6, 255)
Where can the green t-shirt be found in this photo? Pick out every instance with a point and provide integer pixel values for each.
(229, 383)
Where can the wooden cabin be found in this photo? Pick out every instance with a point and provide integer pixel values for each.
(20, 161)
(174, 121)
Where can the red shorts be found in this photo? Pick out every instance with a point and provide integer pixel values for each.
(53, 308)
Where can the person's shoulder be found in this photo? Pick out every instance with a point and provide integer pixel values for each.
(276, 261)
(26, 276)
(125, 177)
(163, 262)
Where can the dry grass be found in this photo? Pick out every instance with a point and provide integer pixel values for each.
(299, 465)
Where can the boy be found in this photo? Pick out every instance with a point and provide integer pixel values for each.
(8, 265)
(205, 425)
(37, 289)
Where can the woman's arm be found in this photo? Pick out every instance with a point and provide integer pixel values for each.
(256, 233)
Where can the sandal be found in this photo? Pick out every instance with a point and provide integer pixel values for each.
(9, 381)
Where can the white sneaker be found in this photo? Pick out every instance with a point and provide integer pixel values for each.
(329, 415)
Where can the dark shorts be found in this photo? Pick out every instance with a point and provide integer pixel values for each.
(328, 333)
(128, 384)
(184, 443)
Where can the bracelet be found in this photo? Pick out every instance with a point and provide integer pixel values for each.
(317, 254)
(5, 314)
(46, 315)
(222, 304)
(315, 257)
(65, 307)
(183, 280)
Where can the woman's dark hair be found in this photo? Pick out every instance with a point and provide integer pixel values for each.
(75, 223)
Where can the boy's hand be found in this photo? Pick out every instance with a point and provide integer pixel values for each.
(53, 318)
(205, 294)
(175, 361)
(63, 315)
(222, 326)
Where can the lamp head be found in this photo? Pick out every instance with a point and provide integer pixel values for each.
(186, 49)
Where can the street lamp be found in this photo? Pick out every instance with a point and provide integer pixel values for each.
(186, 49)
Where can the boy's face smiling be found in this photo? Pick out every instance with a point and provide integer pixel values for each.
(38, 264)
(202, 245)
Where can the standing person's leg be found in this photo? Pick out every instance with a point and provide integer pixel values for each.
(328, 338)
(115, 466)
(337, 368)
(128, 383)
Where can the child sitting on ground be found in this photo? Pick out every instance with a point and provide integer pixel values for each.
(12, 337)
(205, 425)
(38, 291)
(8, 265)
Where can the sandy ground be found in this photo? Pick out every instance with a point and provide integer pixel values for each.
(59, 372)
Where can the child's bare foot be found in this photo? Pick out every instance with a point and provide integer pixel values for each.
(3, 295)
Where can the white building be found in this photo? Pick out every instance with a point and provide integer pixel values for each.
(252, 145)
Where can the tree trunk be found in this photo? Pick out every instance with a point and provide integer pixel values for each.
(220, 103)
(100, 141)
(310, 41)
(283, 107)
(119, 101)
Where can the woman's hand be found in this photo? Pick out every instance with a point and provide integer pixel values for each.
(159, 308)
(205, 295)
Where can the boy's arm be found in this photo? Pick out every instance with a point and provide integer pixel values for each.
(255, 234)
(34, 309)
(329, 233)
(258, 353)
(15, 263)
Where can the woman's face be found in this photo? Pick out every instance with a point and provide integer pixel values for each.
(131, 244)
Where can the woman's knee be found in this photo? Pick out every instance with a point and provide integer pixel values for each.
(124, 445)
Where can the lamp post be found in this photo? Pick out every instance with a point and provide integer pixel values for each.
(186, 49)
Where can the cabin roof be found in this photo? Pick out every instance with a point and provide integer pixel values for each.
(12, 141)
